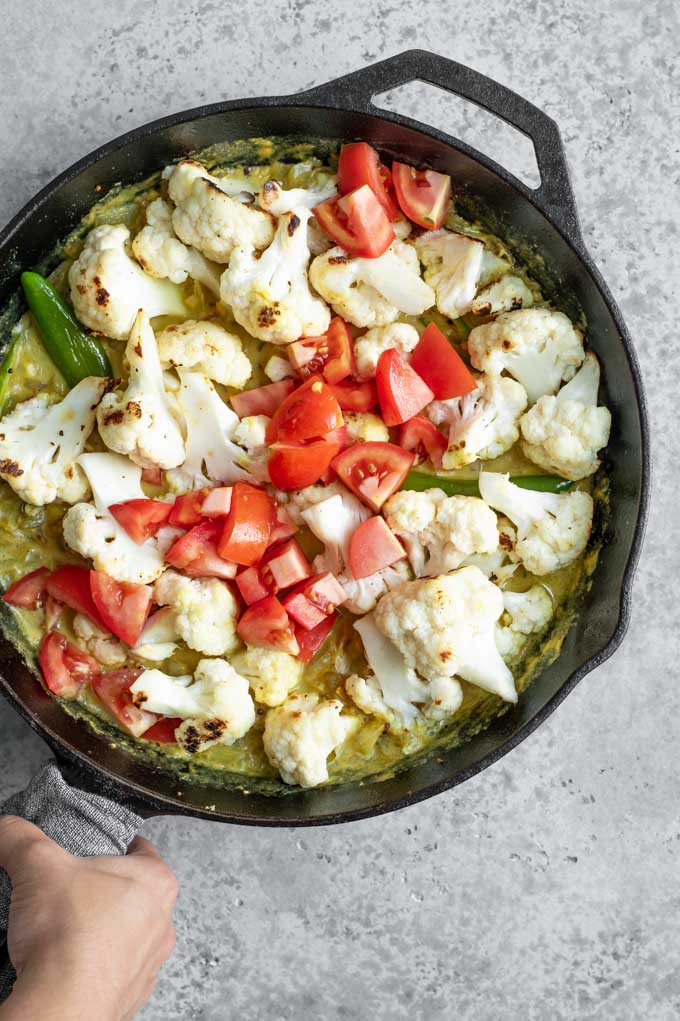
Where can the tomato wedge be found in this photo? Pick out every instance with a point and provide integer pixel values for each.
(331, 354)
(196, 554)
(373, 470)
(354, 396)
(164, 730)
(360, 164)
(248, 525)
(401, 391)
(266, 625)
(65, 667)
(113, 690)
(123, 606)
(294, 466)
(424, 439)
(70, 585)
(424, 195)
(442, 368)
(28, 592)
(357, 222)
(308, 413)
(141, 518)
(373, 547)
(187, 510)
(311, 640)
(262, 400)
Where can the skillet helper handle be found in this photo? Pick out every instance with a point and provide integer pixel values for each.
(555, 195)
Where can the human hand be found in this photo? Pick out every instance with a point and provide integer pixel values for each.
(87, 936)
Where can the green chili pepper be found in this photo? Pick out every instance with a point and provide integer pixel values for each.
(470, 487)
(75, 353)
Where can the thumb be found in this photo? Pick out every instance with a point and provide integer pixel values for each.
(17, 837)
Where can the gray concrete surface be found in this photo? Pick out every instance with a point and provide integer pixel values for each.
(548, 887)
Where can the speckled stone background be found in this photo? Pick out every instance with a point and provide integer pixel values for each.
(548, 887)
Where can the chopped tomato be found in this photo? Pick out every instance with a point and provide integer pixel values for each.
(164, 730)
(28, 592)
(196, 554)
(310, 641)
(424, 195)
(357, 222)
(442, 368)
(311, 601)
(373, 547)
(284, 526)
(401, 391)
(282, 566)
(262, 400)
(248, 525)
(123, 606)
(252, 585)
(332, 353)
(53, 611)
(70, 585)
(360, 164)
(424, 439)
(296, 465)
(308, 413)
(113, 690)
(141, 518)
(373, 470)
(65, 667)
(187, 510)
(154, 476)
(266, 625)
(217, 502)
(354, 396)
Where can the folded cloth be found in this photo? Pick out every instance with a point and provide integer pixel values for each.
(84, 824)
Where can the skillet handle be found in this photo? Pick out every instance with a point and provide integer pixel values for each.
(356, 90)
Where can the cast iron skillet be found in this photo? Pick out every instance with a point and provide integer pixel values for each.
(546, 218)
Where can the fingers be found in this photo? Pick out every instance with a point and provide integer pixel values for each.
(144, 847)
(18, 838)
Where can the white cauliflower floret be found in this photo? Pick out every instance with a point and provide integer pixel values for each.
(251, 433)
(272, 674)
(270, 295)
(372, 292)
(277, 368)
(368, 348)
(278, 201)
(205, 347)
(493, 268)
(138, 422)
(552, 528)
(525, 614)
(92, 531)
(505, 295)
(363, 427)
(108, 288)
(538, 346)
(440, 531)
(446, 698)
(40, 444)
(106, 650)
(209, 218)
(299, 500)
(159, 637)
(300, 735)
(216, 708)
(205, 611)
(211, 453)
(501, 563)
(445, 627)
(563, 434)
(161, 254)
(483, 424)
(453, 263)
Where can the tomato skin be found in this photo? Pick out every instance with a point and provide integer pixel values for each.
(373, 471)
(164, 730)
(332, 353)
(442, 368)
(401, 391)
(141, 518)
(360, 164)
(357, 222)
(373, 547)
(424, 195)
(113, 690)
(28, 592)
(424, 439)
(65, 668)
(70, 585)
(308, 413)
(123, 606)
(248, 525)
(266, 625)
(196, 554)
(294, 466)
(262, 400)
(354, 396)
(310, 641)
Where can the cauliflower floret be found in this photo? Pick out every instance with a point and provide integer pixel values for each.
(279, 201)
(505, 295)
(106, 650)
(270, 296)
(445, 627)
(92, 531)
(453, 263)
(502, 563)
(525, 613)
(108, 288)
(538, 346)
(300, 500)
(159, 637)
(363, 427)
(278, 368)
(440, 531)
(482, 424)
(40, 444)
(552, 528)
(205, 347)
(138, 422)
(446, 698)
(251, 433)
(205, 611)
(564, 433)
(369, 347)
(372, 292)
(272, 674)
(216, 708)
(209, 218)
(161, 254)
(300, 735)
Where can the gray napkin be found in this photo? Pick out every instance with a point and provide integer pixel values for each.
(84, 824)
